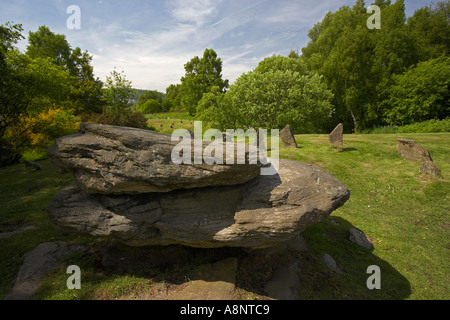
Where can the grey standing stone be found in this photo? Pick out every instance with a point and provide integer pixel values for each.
(336, 137)
(410, 150)
(429, 167)
(287, 137)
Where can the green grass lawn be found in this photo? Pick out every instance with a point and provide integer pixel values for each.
(404, 213)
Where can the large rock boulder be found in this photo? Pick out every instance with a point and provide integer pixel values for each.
(108, 159)
(259, 213)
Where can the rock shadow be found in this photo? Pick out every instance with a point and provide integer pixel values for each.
(320, 282)
(289, 271)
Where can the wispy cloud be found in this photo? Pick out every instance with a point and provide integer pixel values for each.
(152, 40)
(193, 11)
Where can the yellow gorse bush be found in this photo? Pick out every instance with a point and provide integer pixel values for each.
(42, 129)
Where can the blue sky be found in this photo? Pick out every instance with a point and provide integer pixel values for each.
(152, 40)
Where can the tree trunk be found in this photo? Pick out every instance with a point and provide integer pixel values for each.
(354, 121)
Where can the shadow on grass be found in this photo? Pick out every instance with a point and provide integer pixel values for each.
(172, 266)
(318, 282)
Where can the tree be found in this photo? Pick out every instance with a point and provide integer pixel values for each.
(209, 108)
(172, 98)
(274, 99)
(45, 44)
(430, 30)
(419, 94)
(150, 95)
(149, 106)
(28, 85)
(117, 93)
(358, 63)
(86, 90)
(273, 63)
(201, 75)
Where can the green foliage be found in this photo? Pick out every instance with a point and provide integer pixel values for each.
(420, 93)
(274, 99)
(149, 106)
(117, 92)
(44, 43)
(275, 63)
(430, 30)
(44, 128)
(128, 118)
(202, 74)
(360, 64)
(428, 126)
(150, 101)
(28, 86)
(86, 91)
(172, 99)
(209, 108)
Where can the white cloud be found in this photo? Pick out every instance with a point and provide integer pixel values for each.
(152, 40)
(193, 11)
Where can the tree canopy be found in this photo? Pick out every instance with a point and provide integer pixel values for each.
(360, 64)
(271, 96)
(201, 75)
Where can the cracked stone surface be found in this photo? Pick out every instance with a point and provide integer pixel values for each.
(261, 213)
(119, 160)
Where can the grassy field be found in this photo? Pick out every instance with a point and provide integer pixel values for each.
(404, 213)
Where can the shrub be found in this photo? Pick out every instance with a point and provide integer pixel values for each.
(149, 106)
(39, 131)
(428, 126)
(128, 118)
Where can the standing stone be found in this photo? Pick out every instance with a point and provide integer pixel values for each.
(429, 167)
(337, 136)
(410, 150)
(287, 137)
